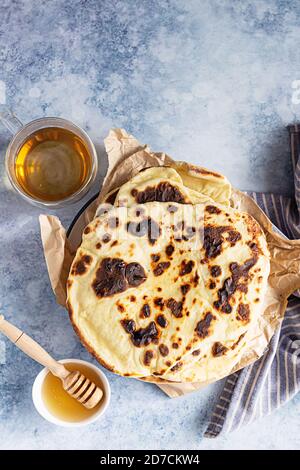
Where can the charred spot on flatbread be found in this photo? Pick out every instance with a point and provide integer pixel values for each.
(110, 277)
(162, 192)
(186, 267)
(135, 274)
(218, 349)
(159, 302)
(106, 238)
(128, 325)
(203, 326)
(196, 352)
(212, 209)
(145, 311)
(163, 349)
(148, 356)
(120, 307)
(170, 249)
(80, 267)
(203, 171)
(114, 276)
(233, 237)
(142, 336)
(162, 321)
(239, 275)
(185, 288)
(177, 367)
(214, 239)
(243, 312)
(160, 268)
(175, 307)
(238, 341)
(196, 279)
(215, 271)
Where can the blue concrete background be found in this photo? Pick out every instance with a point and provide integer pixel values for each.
(206, 81)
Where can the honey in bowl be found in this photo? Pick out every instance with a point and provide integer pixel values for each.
(52, 164)
(60, 404)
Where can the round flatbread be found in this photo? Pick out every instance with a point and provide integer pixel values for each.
(164, 184)
(168, 289)
(204, 181)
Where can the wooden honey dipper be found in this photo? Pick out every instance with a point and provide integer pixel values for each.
(75, 383)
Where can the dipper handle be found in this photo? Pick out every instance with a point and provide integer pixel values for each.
(31, 348)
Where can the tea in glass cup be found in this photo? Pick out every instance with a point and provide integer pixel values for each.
(49, 161)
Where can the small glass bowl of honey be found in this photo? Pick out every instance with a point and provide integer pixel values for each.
(50, 161)
(55, 405)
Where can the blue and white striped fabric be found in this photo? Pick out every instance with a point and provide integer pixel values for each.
(264, 386)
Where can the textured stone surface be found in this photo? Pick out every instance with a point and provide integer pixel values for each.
(206, 81)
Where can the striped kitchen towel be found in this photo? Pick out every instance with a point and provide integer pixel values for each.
(265, 385)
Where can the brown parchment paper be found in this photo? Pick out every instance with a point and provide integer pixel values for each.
(126, 157)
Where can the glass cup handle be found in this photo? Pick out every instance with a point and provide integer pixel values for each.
(10, 120)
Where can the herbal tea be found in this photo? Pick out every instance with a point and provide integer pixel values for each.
(60, 403)
(52, 164)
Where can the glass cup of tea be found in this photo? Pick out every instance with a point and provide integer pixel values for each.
(50, 161)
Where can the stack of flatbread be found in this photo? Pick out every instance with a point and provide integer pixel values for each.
(169, 279)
